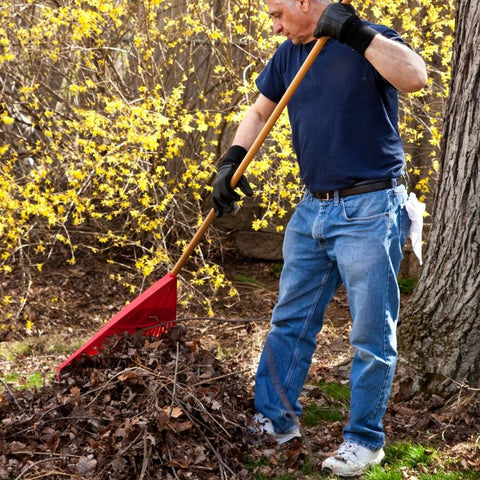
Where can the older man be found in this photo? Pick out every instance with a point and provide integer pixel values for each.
(350, 226)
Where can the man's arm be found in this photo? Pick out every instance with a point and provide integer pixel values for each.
(397, 63)
(224, 196)
(253, 122)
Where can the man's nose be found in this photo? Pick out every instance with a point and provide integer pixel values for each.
(277, 28)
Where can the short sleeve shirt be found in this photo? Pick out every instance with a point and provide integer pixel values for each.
(343, 115)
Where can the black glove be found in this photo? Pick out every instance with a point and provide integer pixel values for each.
(224, 197)
(340, 22)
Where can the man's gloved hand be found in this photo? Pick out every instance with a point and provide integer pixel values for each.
(224, 196)
(339, 21)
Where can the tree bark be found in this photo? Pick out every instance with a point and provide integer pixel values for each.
(440, 332)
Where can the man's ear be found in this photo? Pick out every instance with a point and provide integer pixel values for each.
(304, 5)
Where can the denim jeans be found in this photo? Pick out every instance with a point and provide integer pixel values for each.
(356, 241)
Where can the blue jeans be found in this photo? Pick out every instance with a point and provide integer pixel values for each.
(356, 241)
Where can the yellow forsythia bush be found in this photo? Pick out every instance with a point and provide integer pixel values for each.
(114, 113)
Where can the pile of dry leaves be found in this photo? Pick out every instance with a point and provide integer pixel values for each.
(142, 408)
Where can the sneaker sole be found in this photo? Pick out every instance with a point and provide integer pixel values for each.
(358, 472)
(282, 438)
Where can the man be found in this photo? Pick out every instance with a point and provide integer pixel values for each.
(350, 226)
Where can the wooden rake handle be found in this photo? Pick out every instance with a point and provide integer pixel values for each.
(317, 48)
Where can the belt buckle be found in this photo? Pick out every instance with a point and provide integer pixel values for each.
(323, 196)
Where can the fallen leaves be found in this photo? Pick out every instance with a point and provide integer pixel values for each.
(138, 409)
(169, 409)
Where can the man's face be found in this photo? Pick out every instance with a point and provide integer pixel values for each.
(294, 21)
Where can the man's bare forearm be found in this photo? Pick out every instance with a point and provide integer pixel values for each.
(253, 122)
(397, 63)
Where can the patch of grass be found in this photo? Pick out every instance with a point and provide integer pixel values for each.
(44, 345)
(405, 458)
(11, 350)
(23, 382)
(308, 466)
(276, 270)
(336, 391)
(407, 284)
(313, 414)
(407, 455)
(222, 353)
(450, 476)
(35, 380)
(244, 279)
(24, 368)
(251, 464)
(378, 473)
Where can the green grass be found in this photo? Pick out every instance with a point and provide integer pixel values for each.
(251, 464)
(11, 350)
(336, 391)
(21, 356)
(461, 475)
(405, 459)
(276, 270)
(43, 345)
(407, 454)
(20, 382)
(407, 284)
(314, 414)
(252, 281)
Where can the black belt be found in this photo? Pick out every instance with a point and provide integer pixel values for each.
(357, 189)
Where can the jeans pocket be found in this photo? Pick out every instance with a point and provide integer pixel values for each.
(366, 206)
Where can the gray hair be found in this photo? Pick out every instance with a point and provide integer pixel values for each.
(291, 2)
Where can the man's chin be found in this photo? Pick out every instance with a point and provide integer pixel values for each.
(299, 41)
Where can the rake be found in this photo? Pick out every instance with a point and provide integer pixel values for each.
(154, 311)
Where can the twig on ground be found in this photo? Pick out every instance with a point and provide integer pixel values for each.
(7, 388)
(26, 469)
(463, 385)
(146, 455)
(171, 458)
(175, 375)
(214, 379)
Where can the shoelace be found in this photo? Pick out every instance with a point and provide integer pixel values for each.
(347, 447)
(260, 421)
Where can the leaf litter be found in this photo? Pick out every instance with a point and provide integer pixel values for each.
(173, 408)
(141, 408)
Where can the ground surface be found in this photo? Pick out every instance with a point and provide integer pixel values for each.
(180, 406)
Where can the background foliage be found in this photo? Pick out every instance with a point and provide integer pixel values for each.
(114, 113)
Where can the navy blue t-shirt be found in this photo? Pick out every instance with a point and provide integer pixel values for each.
(343, 115)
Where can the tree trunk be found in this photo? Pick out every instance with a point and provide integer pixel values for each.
(440, 333)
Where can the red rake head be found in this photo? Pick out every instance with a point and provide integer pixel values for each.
(156, 308)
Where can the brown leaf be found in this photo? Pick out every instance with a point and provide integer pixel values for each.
(119, 464)
(75, 391)
(174, 412)
(162, 419)
(182, 426)
(131, 378)
(52, 442)
(176, 463)
(85, 465)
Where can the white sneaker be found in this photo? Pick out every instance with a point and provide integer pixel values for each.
(264, 425)
(352, 459)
